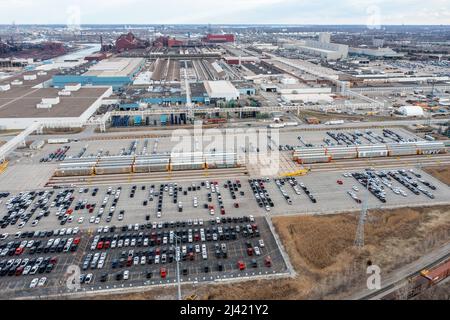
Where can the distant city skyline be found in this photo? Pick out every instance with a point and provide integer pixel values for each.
(326, 12)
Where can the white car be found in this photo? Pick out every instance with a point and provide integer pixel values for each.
(261, 243)
(126, 275)
(80, 220)
(34, 283)
(91, 219)
(97, 220)
(42, 282)
(257, 251)
(88, 278)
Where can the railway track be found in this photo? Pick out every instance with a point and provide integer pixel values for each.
(187, 175)
(380, 162)
(379, 294)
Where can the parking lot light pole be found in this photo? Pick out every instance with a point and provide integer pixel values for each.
(177, 257)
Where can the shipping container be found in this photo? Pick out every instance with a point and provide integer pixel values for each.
(337, 153)
(401, 149)
(438, 273)
(119, 169)
(314, 159)
(431, 147)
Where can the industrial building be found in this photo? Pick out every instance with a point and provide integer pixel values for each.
(322, 48)
(219, 38)
(221, 90)
(375, 52)
(115, 72)
(72, 106)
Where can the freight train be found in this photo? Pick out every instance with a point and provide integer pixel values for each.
(421, 282)
(145, 164)
(327, 154)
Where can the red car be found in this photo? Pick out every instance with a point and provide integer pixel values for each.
(250, 251)
(241, 265)
(236, 205)
(19, 271)
(107, 244)
(53, 260)
(339, 182)
(100, 245)
(76, 240)
(163, 272)
(129, 261)
(19, 251)
(222, 211)
(268, 262)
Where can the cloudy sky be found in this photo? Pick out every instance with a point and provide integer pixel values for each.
(225, 11)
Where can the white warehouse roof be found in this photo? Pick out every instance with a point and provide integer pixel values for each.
(411, 111)
(221, 90)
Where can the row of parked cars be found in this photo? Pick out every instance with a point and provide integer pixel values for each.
(38, 246)
(17, 208)
(27, 266)
(58, 155)
(168, 237)
(261, 195)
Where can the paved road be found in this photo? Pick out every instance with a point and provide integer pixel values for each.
(89, 131)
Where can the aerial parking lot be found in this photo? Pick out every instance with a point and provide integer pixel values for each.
(316, 192)
(138, 255)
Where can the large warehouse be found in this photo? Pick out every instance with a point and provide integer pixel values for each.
(21, 106)
(221, 90)
(115, 72)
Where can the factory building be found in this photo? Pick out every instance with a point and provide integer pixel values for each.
(219, 38)
(375, 52)
(221, 90)
(129, 41)
(116, 72)
(328, 51)
(20, 106)
(322, 48)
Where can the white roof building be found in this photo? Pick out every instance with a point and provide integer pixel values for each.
(411, 111)
(221, 90)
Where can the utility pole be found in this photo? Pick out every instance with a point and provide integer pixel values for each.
(177, 257)
(359, 239)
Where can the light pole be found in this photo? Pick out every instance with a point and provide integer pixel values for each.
(177, 258)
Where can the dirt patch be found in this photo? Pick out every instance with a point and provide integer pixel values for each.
(441, 173)
(329, 267)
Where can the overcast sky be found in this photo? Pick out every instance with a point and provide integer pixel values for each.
(382, 12)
